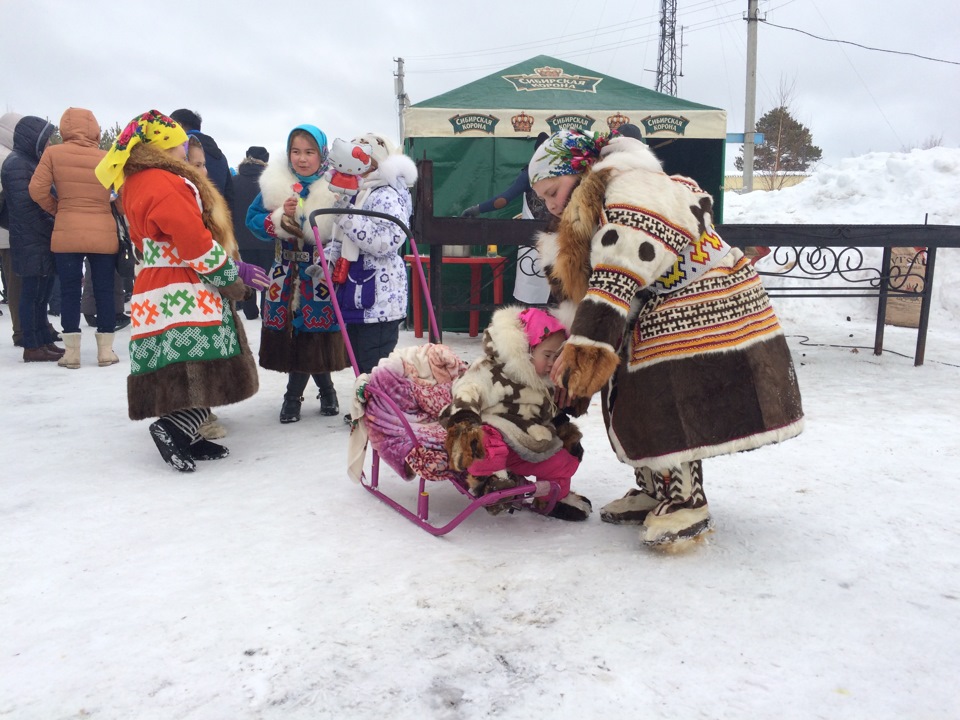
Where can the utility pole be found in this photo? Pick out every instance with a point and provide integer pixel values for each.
(750, 108)
(667, 58)
(402, 100)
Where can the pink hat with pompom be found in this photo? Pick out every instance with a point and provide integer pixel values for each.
(539, 324)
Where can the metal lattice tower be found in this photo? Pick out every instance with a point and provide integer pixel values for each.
(667, 60)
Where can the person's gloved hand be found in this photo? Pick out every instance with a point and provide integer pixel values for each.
(316, 272)
(252, 275)
(471, 211)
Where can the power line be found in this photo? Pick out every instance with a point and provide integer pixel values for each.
(619, 27)
(865, 47)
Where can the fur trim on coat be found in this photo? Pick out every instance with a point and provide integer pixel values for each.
(276, 185)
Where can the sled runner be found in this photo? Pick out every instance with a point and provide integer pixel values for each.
(395, 412)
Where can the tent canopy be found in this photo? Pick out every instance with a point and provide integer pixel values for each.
(480, 136)
(546, 94)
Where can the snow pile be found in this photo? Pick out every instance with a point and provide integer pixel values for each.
(879, 188)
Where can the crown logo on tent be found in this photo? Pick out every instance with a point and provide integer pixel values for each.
(547, 71)
(615, 121)
(522, 122)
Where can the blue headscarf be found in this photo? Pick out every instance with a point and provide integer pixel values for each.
(321, 139)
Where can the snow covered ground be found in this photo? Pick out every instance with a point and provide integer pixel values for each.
(267, 585)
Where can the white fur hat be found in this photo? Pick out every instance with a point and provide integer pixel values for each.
(382, 147)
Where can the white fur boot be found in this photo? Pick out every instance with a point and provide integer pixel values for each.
(105, 354)
(684, 514)
(71, 344)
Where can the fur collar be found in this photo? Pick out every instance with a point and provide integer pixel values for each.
(276, 185)
(213, 208)
(505, 342)
(570, 272)
(396, 171)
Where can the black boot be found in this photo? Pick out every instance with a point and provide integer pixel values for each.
(327, 395)
(290, 410)
(91, 319)
(121, 320)
(203, 449)
(328, 402)
(173, 444)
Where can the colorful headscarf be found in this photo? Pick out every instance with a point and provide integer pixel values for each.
(566, 152)
(151, 127)
(539, 325)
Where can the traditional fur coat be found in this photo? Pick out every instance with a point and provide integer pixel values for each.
(300, 330)
(186, 348)
(501, 389)
(671, 323)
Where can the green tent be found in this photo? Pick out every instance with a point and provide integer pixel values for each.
(479, 136)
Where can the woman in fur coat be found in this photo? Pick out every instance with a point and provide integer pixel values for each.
(503, 421)
(300, 334)
(670, 324)
(187, 352)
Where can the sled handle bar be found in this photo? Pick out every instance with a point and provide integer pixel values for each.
(434, 326)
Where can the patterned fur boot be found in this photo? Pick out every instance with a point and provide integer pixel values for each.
(480, 485)
(683, 514)
(633, 507)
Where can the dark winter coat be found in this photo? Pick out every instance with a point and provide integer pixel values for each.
(30, 225)
(246, 187)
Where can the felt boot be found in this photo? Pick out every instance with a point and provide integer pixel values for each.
(211, 429)
(105, 354)
(684, 513)
(71, 356)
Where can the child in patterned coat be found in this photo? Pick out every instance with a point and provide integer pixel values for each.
(503, 421)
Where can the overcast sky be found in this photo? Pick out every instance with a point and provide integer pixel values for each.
(254, 69)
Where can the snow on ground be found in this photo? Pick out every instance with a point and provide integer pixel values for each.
(267, 585)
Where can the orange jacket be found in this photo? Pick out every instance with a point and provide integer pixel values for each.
(65, 185)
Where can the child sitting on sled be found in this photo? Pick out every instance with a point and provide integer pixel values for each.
(503, 423)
